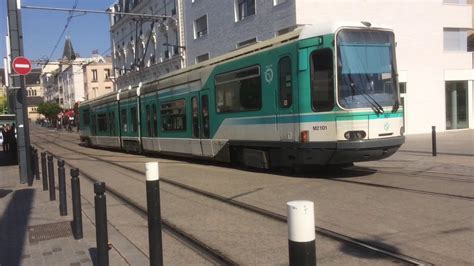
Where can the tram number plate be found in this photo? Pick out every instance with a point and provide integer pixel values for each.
(318, 128)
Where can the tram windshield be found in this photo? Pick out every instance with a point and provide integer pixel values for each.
(366, 69)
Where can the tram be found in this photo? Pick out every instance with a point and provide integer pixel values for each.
(320, 95)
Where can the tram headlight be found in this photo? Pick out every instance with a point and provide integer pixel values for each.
(402, 131)
(355, 135)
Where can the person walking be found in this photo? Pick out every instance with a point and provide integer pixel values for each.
(4, 136)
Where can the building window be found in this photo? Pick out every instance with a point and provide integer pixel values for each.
(239, 91)
(108, 88)
(107, 74)
(244, 8)
(277, 2)
(173, 116)
(459, 2)
(94, 75)
(457, 107)
(246, 42)
(202, 57)
(403, 87)
(200, 27)
(455, 40)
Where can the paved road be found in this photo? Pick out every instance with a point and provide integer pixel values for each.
(412, 202)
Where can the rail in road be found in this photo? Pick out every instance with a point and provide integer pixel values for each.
(259, 211)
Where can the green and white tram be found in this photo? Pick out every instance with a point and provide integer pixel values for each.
(320, 95)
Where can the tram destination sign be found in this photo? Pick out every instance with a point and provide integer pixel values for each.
(21, 65)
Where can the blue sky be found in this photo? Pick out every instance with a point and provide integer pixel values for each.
(41, 29)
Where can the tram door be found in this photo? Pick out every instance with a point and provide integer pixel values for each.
(285, 100)
(200, 144)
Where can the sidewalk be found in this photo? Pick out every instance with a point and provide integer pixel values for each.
(31, 230)
(448, 142)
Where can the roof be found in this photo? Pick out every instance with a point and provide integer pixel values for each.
(68, 52)
(34, 101)
(310, 31)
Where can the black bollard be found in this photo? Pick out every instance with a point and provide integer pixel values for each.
(301, 233)
(52, 191)
(433, 140)
(32, 167)
(154, 213)
(37, 169)
(62, 188)
(76, 204)
(44, 171)
(101, 224)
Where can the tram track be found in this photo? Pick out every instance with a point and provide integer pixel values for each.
(211, 254)
(409, 190)
(254, 209)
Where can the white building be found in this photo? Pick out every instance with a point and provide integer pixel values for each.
(436, 71)
(145, 48)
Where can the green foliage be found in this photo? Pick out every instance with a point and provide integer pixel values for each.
(49, 110)
(3, 105)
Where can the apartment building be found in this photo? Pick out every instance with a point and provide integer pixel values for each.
(144, 48)
(98, 78)
(435, 68)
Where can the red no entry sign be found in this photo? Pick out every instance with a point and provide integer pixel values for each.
(21, 65)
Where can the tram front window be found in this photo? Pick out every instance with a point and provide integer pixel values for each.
(366, 70)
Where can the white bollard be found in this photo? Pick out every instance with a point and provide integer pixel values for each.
(154, 213)
(301, 232)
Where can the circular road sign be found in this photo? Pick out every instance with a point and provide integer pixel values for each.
(21, 65)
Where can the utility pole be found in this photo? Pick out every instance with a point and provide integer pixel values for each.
(17, 88)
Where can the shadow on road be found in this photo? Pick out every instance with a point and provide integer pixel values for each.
(13, 226)
(360, 252)
(8, 158)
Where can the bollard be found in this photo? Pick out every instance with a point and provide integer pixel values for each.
(76, 204)
(32, 167)
(101, 224)
(37, 170)
(301, 233)
(154, 213)
(433, 140)
(44, 171)
(52, 192)
(62, 188)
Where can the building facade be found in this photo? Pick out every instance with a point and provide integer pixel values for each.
(34, 94)
(98, 78)
(145, 48)
(435, 68)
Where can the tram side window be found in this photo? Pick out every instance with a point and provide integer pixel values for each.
(173, 116)
(284, 68)
(94, 125)
(322, 85)
(134, 118)
(239, 91)
(86, 119)
(112, 123)
(205, 116)
(102, 122)
(155, 121)
(195, 121)
(123, 120)
(148, 118)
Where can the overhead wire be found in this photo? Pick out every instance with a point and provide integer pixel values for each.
(68, 21)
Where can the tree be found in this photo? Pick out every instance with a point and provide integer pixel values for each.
(3, 105)
(49, 110)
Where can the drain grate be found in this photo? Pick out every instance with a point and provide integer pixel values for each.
(44, 232)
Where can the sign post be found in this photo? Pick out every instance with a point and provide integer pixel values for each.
(18, 90)
(21, 65)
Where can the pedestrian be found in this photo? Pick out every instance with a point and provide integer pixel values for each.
(4, 136)
(13, 138)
